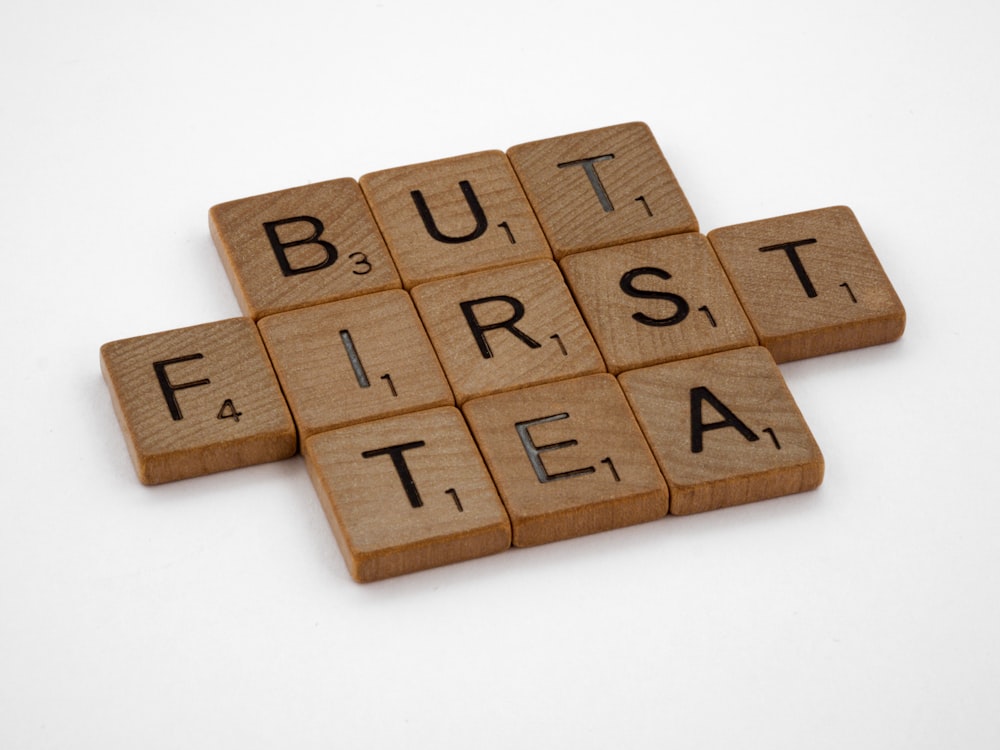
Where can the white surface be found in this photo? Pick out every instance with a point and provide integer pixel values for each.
(217, 612)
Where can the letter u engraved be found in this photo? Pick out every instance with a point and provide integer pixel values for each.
(432, 229)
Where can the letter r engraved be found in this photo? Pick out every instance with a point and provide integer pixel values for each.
(595, 179)
(534, 451)
(479, 329)
(169, 389)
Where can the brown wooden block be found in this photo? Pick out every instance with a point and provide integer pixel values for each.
(601, 187)
(506, 328)
(197, 400)
(452, 216)
(568, 459)
(303, 246)
(810, 283)
(657, 300)
(354, 360)
(406, 493)
(724, 429)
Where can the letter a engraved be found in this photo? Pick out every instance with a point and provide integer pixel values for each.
(729, 419)
(431, 226)
(395, 452)
(479, 329)
(796, 261)
(534, 451)
(595, 179)
(280, 247)
(168, 388)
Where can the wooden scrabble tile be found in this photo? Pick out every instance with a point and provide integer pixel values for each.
(601, 187)
(657, 300)
(406, 493)
(354, 360)
(304, 246)
(453, 216)
(568, 459)
(724, 429)
(197, 400)
(506, 328)
(810, 283)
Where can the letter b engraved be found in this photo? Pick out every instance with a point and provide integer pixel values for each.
(280, 247)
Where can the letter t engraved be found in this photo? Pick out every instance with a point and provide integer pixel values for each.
(595, 179)
(796, 261)
(395, 452)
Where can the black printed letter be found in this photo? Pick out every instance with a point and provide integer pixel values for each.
(629, 289)
(477, 212)
(595, 179)
(279, 247)
(699, 428)
(796, 261)
(534, 451)
(395, 452)
(479, 329)
(169, 388)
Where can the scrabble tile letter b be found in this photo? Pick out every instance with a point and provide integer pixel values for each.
(810, 283)
(197, 400)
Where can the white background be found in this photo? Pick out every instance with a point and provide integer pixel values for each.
(218, 613)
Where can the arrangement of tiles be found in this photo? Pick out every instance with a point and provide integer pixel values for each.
(505, 348)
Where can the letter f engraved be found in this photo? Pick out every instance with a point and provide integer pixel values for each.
(595, 179)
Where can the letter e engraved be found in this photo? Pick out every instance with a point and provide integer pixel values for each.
(169, 389)
(395, 452)
(729, 419)
(534, 451)
(627, 286)
(479, 329)
(595, 179)
(431, 226)
(280, 247)
(793, 258)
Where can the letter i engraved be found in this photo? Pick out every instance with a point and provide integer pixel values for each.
(359, 369)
